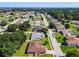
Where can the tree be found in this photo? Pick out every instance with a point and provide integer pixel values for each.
(11, 41)
(11, 19)
(3, 23)
(24, 26)
(67, 26)
(69, 17)
(73, 53)
(12, 28)
(11, 13)
(51, 25)
(78, 29)
(44, 30)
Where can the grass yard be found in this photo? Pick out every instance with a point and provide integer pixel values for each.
(72, 26)
(29, 30)
(31, 22)
(65, 49)
(45, 55)
(6, 17)
(28, 35)
(59, 37)
(21, 51)
(74, 29)
(46, 43)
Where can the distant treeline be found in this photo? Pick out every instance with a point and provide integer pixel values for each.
(59, 13)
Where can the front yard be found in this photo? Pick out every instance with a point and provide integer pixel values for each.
(45, 55)
(65, 49)
(72, 26)
(46, 43)
(5, 17)
(59, 37)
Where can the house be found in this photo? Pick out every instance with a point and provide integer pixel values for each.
(61, 29)
(36, 36)
(72, 41)
(75, 22)
(36, 48)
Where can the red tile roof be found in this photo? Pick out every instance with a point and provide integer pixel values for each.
(72, 40)
(36, 47)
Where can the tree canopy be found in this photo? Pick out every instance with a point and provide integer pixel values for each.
(12, 28)
(24, 26)
(10, 41)
(73, 53)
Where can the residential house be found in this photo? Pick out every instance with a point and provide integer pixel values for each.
(36, 48)
(37, 36)
(72, 41)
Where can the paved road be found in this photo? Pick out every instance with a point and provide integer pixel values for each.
(57, 50)
(45, 20)
(9, 24)
(19, 20)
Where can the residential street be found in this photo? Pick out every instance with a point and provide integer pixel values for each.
(55, 45)
(57, 50)
(19, 20)
(9, 24)
(39, 32)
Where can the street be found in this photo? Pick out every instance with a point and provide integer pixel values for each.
(57, 50)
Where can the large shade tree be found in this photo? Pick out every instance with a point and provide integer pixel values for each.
(24, 26)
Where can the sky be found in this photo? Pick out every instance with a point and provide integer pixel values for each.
(41, 4)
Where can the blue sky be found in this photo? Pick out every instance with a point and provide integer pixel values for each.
(39, 4)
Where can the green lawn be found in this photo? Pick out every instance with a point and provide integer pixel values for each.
(65, 49)
(59, 37)
(6, 17)
(21, 51)
(46, 43)
(28, 35)
(72, 26)
(31, 21)
(29, 30)
(45, 55)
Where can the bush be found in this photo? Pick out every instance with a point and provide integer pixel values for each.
(12, 28)
(67, 26)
